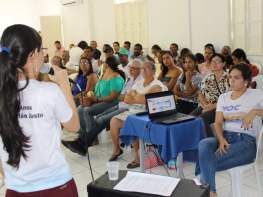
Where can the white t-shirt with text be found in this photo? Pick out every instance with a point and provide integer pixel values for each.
(234, 111)
(43, 107)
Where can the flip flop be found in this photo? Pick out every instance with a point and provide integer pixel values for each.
(133, 165)
(115, 157)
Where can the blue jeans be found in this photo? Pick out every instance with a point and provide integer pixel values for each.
(77, 102)
(101, 121)
(86, 115)
(242, 151)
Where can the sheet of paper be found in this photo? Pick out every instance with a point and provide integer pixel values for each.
(147, 183)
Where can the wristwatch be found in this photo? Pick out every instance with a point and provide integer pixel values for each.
(97, 99)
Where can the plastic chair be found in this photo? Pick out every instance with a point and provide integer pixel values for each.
(258, 66)
(237, 172)
(259, 80)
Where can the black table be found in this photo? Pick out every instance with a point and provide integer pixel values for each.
(103, 187)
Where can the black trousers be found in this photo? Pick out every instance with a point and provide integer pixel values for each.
(208, 116)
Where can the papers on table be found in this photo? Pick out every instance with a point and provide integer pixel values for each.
(147, 183)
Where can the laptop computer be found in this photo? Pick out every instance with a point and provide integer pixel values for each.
(161, 107)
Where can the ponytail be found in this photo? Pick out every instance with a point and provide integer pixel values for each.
(21, 41)
(113, 64)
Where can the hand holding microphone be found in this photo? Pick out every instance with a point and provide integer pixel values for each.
(46, 69)
(60, 76)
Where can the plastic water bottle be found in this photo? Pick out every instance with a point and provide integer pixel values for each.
(172, 164)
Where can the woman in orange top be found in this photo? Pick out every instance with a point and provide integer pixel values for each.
(239, 56)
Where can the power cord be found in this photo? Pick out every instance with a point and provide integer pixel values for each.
(85, 140)
(149, 129)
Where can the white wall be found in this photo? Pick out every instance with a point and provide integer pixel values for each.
(102, 23)
(49, 7)
(76, 25)
(168, 22)
(19, 12)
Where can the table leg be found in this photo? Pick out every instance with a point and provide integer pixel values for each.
(142, 156)
(180, 165)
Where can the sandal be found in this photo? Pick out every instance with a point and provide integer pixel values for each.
(133, 165)
(115, 157)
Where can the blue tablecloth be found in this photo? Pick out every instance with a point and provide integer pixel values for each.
(172, 139)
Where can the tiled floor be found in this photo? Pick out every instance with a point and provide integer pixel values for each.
(100, 154)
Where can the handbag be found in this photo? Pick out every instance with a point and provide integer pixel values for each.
(87, 102)
(152, 158)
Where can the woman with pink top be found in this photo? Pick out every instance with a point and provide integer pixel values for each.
(206, 67)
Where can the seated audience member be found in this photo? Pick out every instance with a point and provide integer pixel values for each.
(103, 55)
(181, 59)
(206, 68)
(136, 98)
(127, 45)
(86, 79)
(75, 55)
(125, 64)
(212, 86)
(97, 53)
(106, 94)
(200, 58)
(174, 49)
(59, 50)
(225, 51)
(71, 46)
(116, 47)
(239, 56)
(170, 72)
(110, 53)
(57, 61)
(40, 76)
(65, 57)
(188, 86)
(89, 53)
(235, 128)
(229, 61)
(155, 50)
(160, 60)
(103, 120)
(137, 53)
(209, 45)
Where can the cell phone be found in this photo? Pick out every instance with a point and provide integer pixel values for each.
(141, 113)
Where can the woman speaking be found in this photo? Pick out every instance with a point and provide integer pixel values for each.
(30, 113)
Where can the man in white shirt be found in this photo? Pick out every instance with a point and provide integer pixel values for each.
(123, 59)
(75, 55)
(89, 52)
(136, 98)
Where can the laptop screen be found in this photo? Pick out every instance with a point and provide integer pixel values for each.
(160, 104)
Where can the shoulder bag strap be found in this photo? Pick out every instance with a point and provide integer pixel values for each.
(217, 84)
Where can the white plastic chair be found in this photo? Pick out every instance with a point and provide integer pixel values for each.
(237, 172)
(258, 66)
(259, 80)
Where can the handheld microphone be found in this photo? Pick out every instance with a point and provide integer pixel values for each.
(46, 69)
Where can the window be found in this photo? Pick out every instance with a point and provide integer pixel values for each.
(131, 23)
(246, 25)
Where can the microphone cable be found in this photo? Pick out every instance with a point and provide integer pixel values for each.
(85, 131)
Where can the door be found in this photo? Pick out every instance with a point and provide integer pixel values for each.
(51, 31)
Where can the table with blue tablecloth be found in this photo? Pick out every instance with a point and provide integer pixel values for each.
(171, 139)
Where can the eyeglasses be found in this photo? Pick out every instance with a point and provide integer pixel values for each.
(145, 69)
(84, 63)
(132, 68)
(216, 62)
(44, 51)
(65, 55)
(56, 62)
